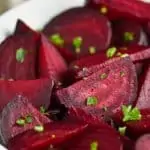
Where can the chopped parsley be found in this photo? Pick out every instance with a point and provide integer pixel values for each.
(77, 42)
(128, 36)
(28, 119)
(20, 122)
(131, 114)
(57, 40)
(94, 146)
(91, 101)
(111, 52)
(122, 130)
(39, 128)
(20, 55)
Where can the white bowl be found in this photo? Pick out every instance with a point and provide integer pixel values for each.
(36, 14)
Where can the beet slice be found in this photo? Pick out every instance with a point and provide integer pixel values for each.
(98, 86)
(144, 95)
(23, 28)
(53, 135)
(143, 142)
(128, 32)
(80, 26)
(17, 58)
(136, 10)
(37, 91)
(95, 136)
(19, 107)
(51, 63)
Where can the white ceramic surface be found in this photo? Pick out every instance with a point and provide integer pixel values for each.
(35, 13)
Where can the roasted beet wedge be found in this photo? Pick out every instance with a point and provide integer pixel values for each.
(136, 10)
(37, 91)
(143, 100)
(51, 63)
(19, 116)
(18, 55)
(23, 28)
(95, 137)
(53, 135)
(135, 128)
(128, 32)
(76, 31)
(143, 142)
(93, 93)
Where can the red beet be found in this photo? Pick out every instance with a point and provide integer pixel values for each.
(136, 10)
(95, 33)
(23, 28)
(128, 32)
(144, 95)
(53, 135)
(51, 63)
(19, 107)
(18, 57)
(100, 137)
(37, 91)
(117, 78)
(143, 142)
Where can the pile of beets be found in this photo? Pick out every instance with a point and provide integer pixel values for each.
(83, 83)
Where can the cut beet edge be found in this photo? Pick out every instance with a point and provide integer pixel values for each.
(137, 10)
(37, 91)
(18, 108)
(143, 143)
(53, 135)
(51, 63)
(98, 86)
(17, 58)
(81, 40)
(95, 136)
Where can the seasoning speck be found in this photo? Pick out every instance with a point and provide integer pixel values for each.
(53, 136)
(128, 36)
(103, 76)
(92, 50)
(39, 128)
(103, 10)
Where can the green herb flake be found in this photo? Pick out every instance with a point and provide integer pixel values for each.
(103, 10)
(57, 40)
(92, 50)
(20, 55)
(122, 74)
(39, 128)
(131, 114)
(111, 52)
(128, 36)
(91, 101)
(20, 122)
(94, 145)
(77, 42)
(103, 76)
(42, 109)
(122, 130)
(28, 119)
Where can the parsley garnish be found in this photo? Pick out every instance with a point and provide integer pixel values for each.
(122, 130)
(57, 40)
(94, 146)
(131, 114)
(111, 52)
(91, 101)
(20, 55)
(128, 36)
